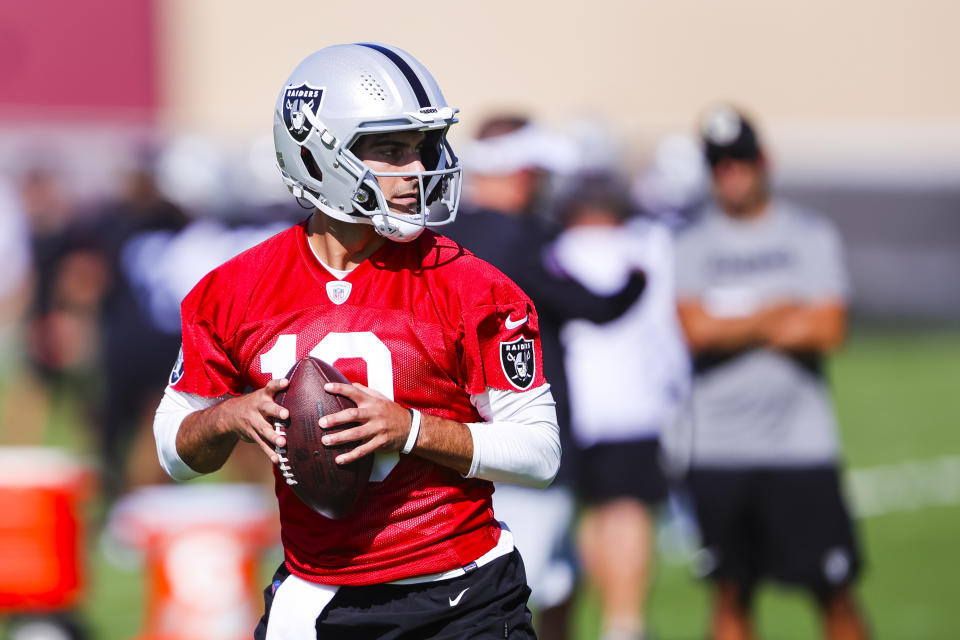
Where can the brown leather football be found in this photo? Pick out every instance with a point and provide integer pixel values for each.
(309, 467)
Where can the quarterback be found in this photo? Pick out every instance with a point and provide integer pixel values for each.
(442, 350)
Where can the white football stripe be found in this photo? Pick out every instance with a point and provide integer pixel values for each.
(904, 486)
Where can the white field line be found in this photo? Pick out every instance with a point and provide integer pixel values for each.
(905, 486)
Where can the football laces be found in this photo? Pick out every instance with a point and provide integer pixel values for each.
(285, 468)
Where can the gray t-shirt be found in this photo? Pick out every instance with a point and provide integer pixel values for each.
(760, 407)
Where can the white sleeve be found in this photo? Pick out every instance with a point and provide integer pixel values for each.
(174, 407)
(520, 441)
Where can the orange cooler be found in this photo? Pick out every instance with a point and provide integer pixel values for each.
(201, 544)
(41, 531)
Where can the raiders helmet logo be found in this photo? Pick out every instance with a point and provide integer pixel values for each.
(297, 102)
(518, 362)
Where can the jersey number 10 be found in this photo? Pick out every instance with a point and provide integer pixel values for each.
(359, 344)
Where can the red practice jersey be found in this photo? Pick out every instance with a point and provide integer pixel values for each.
(427, 324)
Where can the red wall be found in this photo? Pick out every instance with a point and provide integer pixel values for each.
(78, 59)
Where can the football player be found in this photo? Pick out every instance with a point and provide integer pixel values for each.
(442, 350)
(762, 299)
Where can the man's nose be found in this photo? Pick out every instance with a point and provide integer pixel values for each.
(415, 164)
(414, 161)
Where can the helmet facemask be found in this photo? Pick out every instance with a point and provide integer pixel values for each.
(438, 189)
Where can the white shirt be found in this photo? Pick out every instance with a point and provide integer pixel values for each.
(627, 378)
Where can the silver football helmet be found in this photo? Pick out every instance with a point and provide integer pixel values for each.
(343, 92)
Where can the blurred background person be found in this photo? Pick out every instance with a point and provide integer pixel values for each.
(762, 297)
(137, 350)
(507, 168)
(15, 281)
(61, 342)
(627, 378)
(15, 277)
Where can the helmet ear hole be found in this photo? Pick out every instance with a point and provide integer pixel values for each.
(432, 150)
(311, 164)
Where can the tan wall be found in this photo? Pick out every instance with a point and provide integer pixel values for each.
(647, 66)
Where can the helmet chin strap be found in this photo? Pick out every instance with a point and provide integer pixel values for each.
(395, 229)
(392, 225)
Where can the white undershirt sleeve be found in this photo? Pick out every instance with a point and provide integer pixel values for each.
(518, 444)
(174, 407)
(520, 441)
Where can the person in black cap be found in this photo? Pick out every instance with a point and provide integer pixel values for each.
(762, 296)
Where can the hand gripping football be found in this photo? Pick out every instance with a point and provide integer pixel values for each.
(309, 467)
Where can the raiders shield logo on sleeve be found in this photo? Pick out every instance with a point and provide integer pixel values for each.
(177, 372)
(518, 362)
(297, 101)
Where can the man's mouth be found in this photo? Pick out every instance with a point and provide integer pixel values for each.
(409, 203)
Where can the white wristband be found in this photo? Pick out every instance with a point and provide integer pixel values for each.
(415, 418)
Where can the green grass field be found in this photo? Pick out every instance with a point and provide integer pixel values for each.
(898, 398)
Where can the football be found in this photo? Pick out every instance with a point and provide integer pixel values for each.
(309, 467)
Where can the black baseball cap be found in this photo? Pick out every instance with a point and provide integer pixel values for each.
(728, 134)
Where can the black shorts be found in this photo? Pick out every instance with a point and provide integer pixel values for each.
(485, 603)
(790, 525)
(631, 469)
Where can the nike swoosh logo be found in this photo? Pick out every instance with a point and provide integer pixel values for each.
(513, 324)
(455, 601)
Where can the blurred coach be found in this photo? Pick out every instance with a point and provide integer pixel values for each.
(762, 294)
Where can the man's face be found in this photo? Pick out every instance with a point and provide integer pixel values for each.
(740, 186)
(395, 151)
